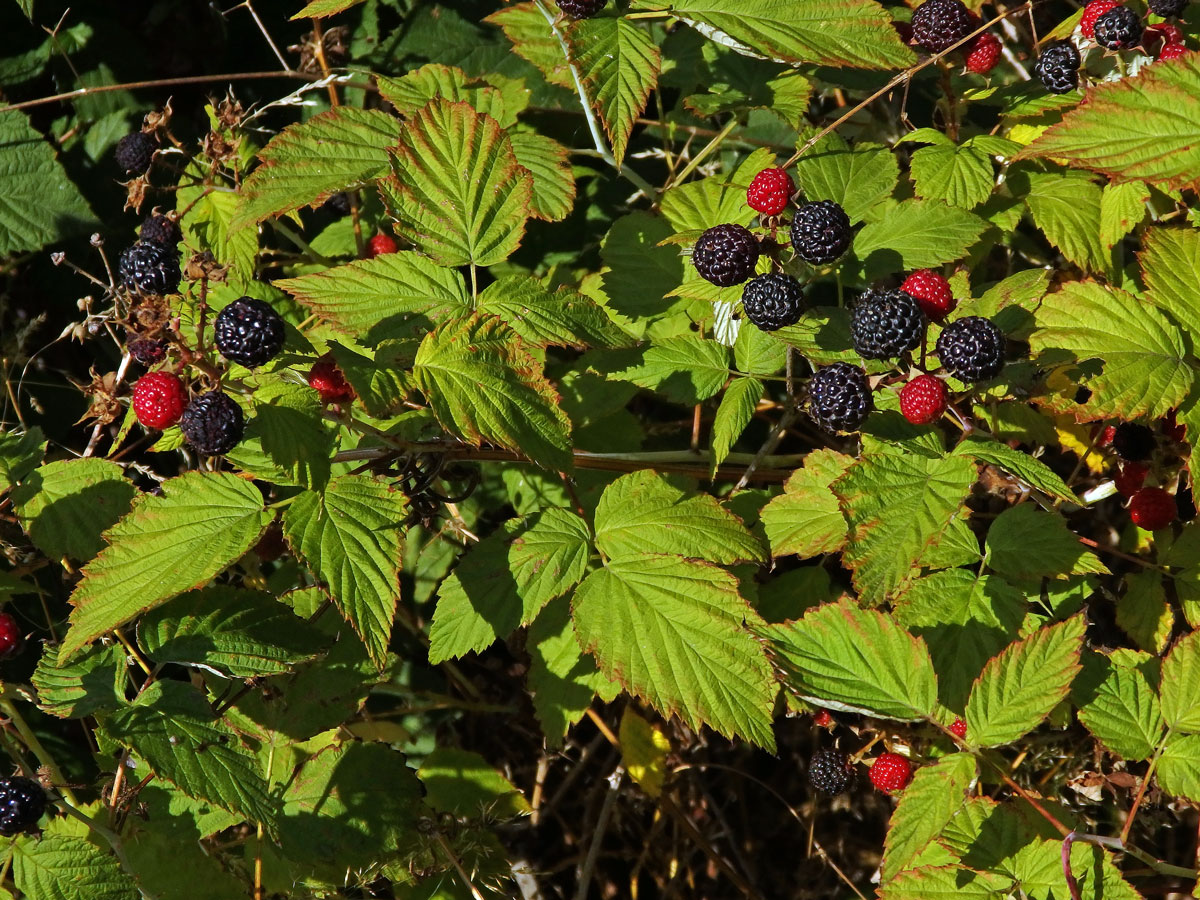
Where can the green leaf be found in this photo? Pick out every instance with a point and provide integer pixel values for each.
(456, 187)
(1027, 542)
(57, 867)
(1019, 688)
(1170, 261)
(936, 793)
(1134, 129)
(857, 178)
(716, 200)
(1146, 372)
(210, 225)
(1124, 712)
(235, 632)
(917, 234)
(350, 536)
(1066, 206)
(484, 385)
(960, 174)
(506, 579)
(642, 513)
(563, 680)
(548, 162)
(898, 508)
(1181, 685)
(685, 369)
(533, 40)
(1179, 767)
(806, 518)
(756, 352)
(543, 318)
(93, 682)
(307, 163)
(1039, 868)
(172, 727)
(619, 62)
(393, 295)
(334, 811)
(39, 204)
(316, 9)
(1032, 471)
(65, 505)
(462, 783)
(857, 660)
(410, 93)
(20, 454)
(289, 425)
(855, 33)
(1143, 612)
(1122, 209)
(965, 619)
(162, 852)
(733, 415)
(202, 522)
(942, 883)
(639, 272)
(670, 630)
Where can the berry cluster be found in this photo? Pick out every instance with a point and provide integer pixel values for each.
(938, 25)
(1143, 454)
(831, 772)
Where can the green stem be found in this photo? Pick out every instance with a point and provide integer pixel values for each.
(705, 153)
(35, 747)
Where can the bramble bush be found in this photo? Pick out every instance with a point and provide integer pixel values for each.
(644, 448)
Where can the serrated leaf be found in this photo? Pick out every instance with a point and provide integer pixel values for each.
(1122, 209)
(643, 513)
(733, 415)
(856, 177)
(806, 518)
(392, 295)
(917, 234)
(321, 8)
(671, 630)
(1181, 685)
(548, 162)
(619, 63)
(1140, 128)
(462, 783)
(1018, 688)
(165, 545)
(456, 187)
(928, 803)
(307, 163)
(898, 507)
(172, 727)
(1170, 262)
(942, 883)
(484, 385)
(506, 579)
(1039, 868)
(544, 318)
(855, 659)
(235, 632)
(1146, 372)
(410, 93)
(1143, 612)
(715, 200)
(856, 33)
(20, 454)
(1179, 767)
(1066, 207)
(92, 682)
(960, 174)
(65, 505)
(39, 204)
(1032, 471)
(1124, 712)
(685, 369)
(533, 40)
(350, 536)
(209, 225)
(58, 867)
(1027, 542)
(640, 273)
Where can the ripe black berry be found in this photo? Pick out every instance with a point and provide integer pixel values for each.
(1134, 442)
(885, 324)
(149, 268)
(840, 397)
(938, 24)
(820, 232)
(1167, 8)
(147, 351)
(1119, 29)
(213, 423)
(1058, 67)
(160, 229)
(248, 331)
(581, 9)
(972, 348)
(22, 803)
(773, 301)
(134, 152)
(830, 772)
(725, 255)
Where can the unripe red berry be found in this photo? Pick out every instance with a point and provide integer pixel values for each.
(890, 772)
(327, 380)
(159, 399)
(381, 244)
(1152, 508)
(11, 639)
(932, 292)
(923, 400)
(958, 728)
(822, 718)
(983, 53)
(1091, 13)
(1130, 479)
(1172, 51)
(770, 192)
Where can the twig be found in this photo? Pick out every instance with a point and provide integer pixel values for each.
(1137, 801)
(589, 863)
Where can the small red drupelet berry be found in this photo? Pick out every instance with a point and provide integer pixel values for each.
(932, 292)
(890, 772)
(770, 192)
(327, 380)
(1172, 51)
(159, 399)
(1130, 479)
(381, 244)
(11, 639)
(983, 53)
(1091, 13)
(923, 400)
(958, 728)
(822, 718)
(1106, 436)
(1152, 508)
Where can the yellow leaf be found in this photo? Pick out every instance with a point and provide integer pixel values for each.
(644, 750)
